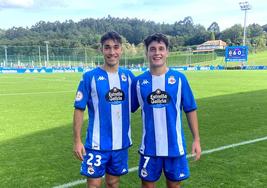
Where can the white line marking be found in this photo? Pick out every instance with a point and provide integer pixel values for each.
(82, 181)
(52, 79)
(34, 93)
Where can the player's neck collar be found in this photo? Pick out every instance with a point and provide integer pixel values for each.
(159, 72)
(112, 70)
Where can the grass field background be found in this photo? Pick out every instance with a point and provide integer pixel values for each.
(36, 130)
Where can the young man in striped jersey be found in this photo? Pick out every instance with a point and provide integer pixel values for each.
(106, 92)
(163, 94)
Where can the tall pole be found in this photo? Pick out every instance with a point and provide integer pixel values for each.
(244, 6)
(47, 53)
(244, 33)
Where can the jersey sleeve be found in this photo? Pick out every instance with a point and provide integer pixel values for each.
(188, 100)
(134, 98)
(82, 93)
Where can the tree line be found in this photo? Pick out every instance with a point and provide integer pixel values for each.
(87, 32)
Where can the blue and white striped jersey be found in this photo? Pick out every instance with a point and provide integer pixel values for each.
(162, 99)
(107, 97)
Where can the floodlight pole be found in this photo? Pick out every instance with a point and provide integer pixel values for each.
(244, 6)
(47, 53)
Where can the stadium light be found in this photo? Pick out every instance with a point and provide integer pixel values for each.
(244, 7)
(47, 53)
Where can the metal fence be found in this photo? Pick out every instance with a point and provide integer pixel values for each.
(40, 56)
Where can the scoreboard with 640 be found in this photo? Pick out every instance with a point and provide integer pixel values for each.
(236, 53)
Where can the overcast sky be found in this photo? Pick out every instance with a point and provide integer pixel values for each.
(225, 12)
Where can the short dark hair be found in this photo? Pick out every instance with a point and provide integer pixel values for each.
(159, 37)
(113, 35)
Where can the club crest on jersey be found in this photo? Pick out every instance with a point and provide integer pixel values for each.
(123, 77)
(171, 80)
(158, 98)
(115, 96)
(79, 96)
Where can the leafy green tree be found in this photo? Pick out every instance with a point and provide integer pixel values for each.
(254, 30)
(175, 42)
(264, 27)
(214, 27)
(199, 36)
(233, 34)
(86, 34)
(212, 36)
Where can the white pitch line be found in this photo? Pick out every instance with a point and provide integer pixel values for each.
(82, 181)
(34, 93)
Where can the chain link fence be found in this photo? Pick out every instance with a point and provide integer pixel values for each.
(40, 56)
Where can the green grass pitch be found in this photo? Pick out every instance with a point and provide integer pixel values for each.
(36, 130)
